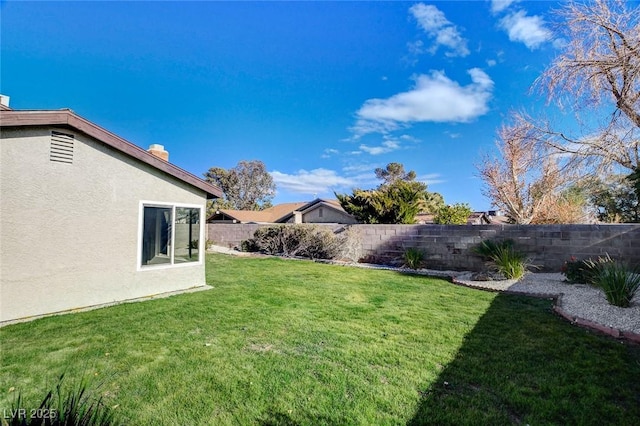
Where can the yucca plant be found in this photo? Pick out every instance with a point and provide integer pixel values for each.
(77, 406)
(618, 283)
(413, 257)
(584, 271)
(504, 257)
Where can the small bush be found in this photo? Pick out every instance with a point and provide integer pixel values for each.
(488, 249)
(584, 271)
(503, 257)
(457, 214)
(249, 245)
(350, 243)
(77, 406)
(618, 283)
(413, 258)
(312, 241)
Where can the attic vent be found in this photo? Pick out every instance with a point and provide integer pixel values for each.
(61, 148)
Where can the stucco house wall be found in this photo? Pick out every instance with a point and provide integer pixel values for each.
(71, 233)
(321, 212)
(328, 215)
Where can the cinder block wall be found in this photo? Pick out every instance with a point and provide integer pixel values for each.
(449, 247)
(232, 234)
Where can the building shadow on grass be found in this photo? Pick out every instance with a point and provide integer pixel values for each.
(277, 418)
(522, 364)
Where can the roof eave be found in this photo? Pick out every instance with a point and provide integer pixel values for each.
(67, 118)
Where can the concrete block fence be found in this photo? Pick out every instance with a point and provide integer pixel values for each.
(449, 247)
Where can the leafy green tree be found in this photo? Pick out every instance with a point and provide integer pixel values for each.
(616, 199)
(398, 202)
(634, 178)
(456, 214)
(247, 186)
(398, 199)
(393, 173)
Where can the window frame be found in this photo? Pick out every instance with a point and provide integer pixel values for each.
(172, 263)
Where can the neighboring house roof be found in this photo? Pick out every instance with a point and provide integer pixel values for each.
(424, 218)
(499, 220)
(279, 213)
(478, 218)
(68, 119)
(270, 215)
(305, 208)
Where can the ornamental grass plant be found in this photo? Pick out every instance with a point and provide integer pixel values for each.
(64, 405)
(502, 256)
(618, 283)
(584, 271)
(413, 258)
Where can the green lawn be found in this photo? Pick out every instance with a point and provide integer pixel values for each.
(280, 342)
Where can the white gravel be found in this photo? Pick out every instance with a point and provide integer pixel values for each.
(578, 300)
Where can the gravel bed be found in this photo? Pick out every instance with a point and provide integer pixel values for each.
(578, 300)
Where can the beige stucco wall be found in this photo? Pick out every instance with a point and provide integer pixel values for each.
(329, 215)
(70, 232)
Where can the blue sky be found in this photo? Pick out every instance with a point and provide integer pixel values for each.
(321, 92)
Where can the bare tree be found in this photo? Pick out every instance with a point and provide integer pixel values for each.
(599, 66)
(247, 186)
(527, 176)
(568, 206)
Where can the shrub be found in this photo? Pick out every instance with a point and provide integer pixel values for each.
(312, 241)
(350, 243)
(249, 245)
(618, 283)
(584, 271)
(456, 214)
(413, 258)
(503, 257)
(76, 406)
(487, 249)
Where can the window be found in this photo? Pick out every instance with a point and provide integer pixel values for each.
(187, 234)
(170, 235)
(320, 212)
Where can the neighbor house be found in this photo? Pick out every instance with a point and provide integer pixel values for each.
(88, 218)
(316, 211)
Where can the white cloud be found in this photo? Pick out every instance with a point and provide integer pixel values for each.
(409, 138)
(330, 152)
(434, 98)
(360, 168)
(438, 27)
(498, 6)
(387, 146)
(491, 62)
(430, 179)
(317, 181)
(560, 43)
(529, 30)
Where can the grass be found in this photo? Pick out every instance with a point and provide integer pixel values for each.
(280, 342)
